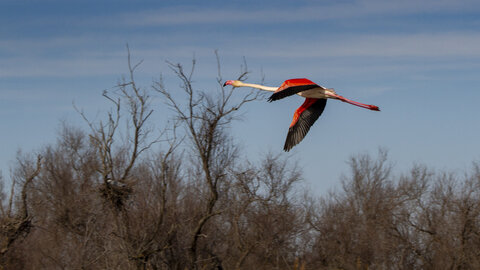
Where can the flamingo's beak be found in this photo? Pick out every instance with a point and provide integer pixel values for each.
(229, 82)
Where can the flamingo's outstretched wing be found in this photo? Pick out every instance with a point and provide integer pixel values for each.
(291, 87)
(303, 119)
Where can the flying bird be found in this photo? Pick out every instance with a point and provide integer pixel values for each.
(315, 100)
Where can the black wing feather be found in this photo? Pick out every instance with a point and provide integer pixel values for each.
(297, 132)
(290, 91)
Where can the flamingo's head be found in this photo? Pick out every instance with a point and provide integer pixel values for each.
(233, 83)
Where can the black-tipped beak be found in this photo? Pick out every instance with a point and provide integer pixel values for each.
(225, 84)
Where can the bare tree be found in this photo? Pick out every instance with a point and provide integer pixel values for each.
(264, 220)
(358, 228)
(206, 118)
(15, 222)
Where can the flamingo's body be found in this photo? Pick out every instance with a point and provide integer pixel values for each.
(315, 100)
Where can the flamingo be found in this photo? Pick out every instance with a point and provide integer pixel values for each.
(315, 100)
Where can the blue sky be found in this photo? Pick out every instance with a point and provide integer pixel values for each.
(418, 60)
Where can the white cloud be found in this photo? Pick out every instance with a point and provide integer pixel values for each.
(303, 13)
(365, 45)
(342, 52)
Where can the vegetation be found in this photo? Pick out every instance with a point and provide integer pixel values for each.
(126, 196)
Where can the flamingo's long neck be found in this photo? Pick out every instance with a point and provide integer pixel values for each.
(258, 86)
(366, 106)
